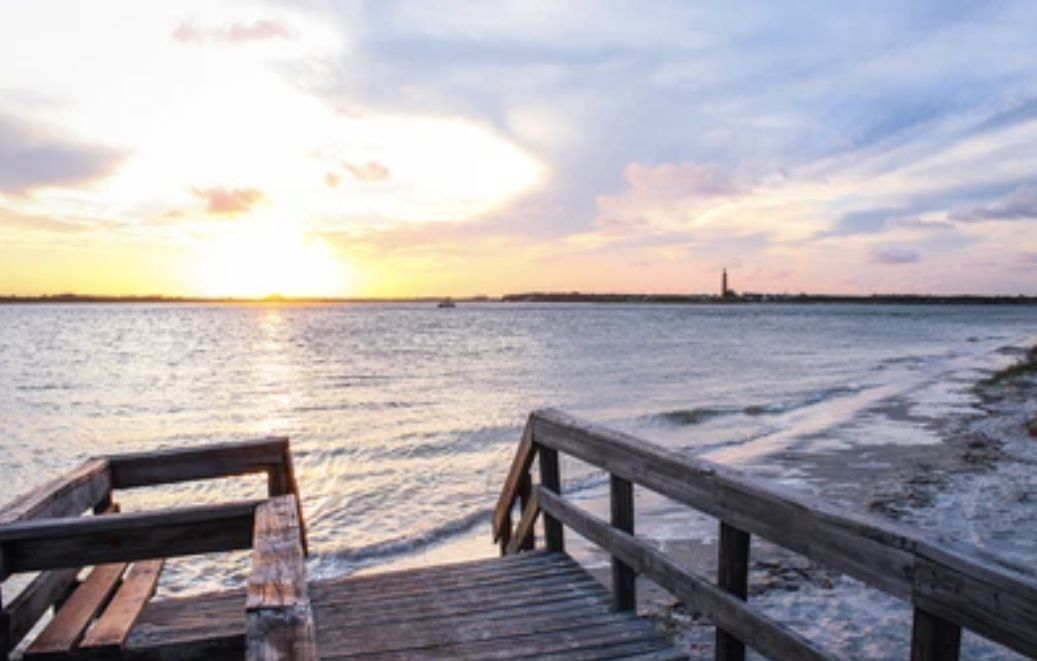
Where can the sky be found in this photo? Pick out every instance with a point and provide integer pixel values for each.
(461, 148)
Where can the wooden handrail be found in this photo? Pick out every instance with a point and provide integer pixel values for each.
(71, 494)
(748, 623)
(143, 469)
(519, 471)
(957, 585)
(77, 541)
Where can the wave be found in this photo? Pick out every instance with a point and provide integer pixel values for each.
(379, 551)
(695, 416)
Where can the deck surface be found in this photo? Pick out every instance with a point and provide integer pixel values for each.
(534, 605)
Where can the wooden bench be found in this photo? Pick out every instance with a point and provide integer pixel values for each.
(47, 532)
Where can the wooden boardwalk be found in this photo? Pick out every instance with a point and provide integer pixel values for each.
(537, 605)
(96, 568)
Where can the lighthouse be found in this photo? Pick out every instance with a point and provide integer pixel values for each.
(723, 284)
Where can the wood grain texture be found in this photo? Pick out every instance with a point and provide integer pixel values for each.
(198, 463)
(69, 624)
(278, 618)
(933, 638)
(110, 631)
(732, 577)
(957, 583)
(524, 530)
(551, 479)
(741, 619)
(281, 634)
(68, 495)
(72, 542)
(621, 507)
(518, 471)
(277, 578)
(29, 606)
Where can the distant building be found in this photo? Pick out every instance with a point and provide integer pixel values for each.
(725, 291)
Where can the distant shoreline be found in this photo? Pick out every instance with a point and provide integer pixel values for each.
(554, 297)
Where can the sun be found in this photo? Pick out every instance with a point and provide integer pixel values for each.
(269, 259)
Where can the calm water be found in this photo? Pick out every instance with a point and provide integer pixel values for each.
(403, 418)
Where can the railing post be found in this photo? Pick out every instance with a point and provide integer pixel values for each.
(505, 534)
(934, 638)
(525, 493)
(5, 628)
(551, 481)
(732, 576)
(624, 580)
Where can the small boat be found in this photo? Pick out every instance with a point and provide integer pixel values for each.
(447, 303)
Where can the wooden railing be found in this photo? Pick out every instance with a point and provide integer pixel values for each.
(950, 586)
(45, 531)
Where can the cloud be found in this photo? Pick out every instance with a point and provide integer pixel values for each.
(235, 33)
(893, 255)
(229, 201)
(10, 218)
(1020, 204)
(677, 180)
(369, 171)
(32, 158)
(869, 221)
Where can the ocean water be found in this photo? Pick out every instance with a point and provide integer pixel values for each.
(404, 417)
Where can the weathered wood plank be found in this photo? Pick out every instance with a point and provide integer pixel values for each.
(29, 606)
(519, 468)
(733, 577)
(738, 617)
(484, 600)
(934, 638)
(113, 627)
(197, 463)
(6, 644)
(525, 527)
(562, 602)
(525, 494)
(277, 578)
(558, 644)
(973, 590)
(71, 542)
(450, 619)
(958, 586)
(551, 479)
(524, 566)
(68, 495)
(624, 580)
(279, 619)
(69, 624)
(485, 587)
(280, 634)
(391, 636)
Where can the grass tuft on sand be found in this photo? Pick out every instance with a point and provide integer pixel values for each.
(1026, 366)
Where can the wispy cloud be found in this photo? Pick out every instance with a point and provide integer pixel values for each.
(229, 201)
(894, 255)
(32, 157)
(235, 33)
(369, 171)
(1020, 204)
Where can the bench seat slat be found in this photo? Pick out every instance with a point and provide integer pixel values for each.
(70, 622)
(113, 627)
